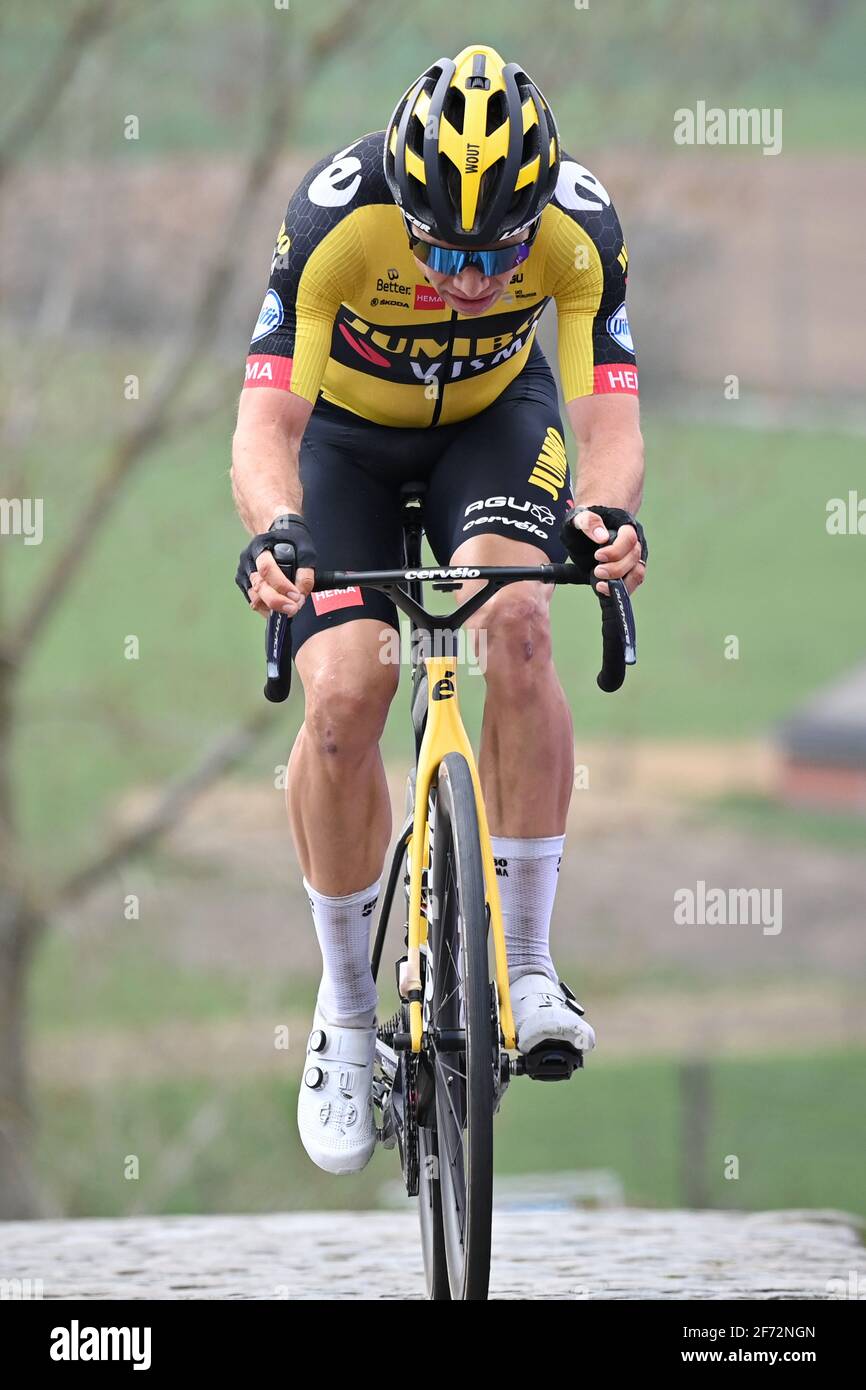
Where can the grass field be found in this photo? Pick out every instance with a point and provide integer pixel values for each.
(793, 1123)
(763, 817)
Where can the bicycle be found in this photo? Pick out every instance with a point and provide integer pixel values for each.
(445, 1058)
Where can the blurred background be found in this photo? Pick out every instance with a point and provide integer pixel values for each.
(154, 938)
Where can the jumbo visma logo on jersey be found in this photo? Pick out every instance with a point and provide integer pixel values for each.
(444, 352)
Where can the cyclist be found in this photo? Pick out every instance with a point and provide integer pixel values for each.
(397, 340)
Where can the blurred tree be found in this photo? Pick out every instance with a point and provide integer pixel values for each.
(26, 899)
(44, 95)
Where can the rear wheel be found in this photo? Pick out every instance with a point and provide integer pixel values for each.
(460, 1033)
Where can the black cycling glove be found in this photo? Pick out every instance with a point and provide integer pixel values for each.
(290, 529)
(582, 547)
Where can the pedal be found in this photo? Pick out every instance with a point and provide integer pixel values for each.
(550, 1062)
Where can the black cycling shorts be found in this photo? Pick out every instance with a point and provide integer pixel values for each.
(502, 471)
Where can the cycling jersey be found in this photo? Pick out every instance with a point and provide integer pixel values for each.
(349, 316)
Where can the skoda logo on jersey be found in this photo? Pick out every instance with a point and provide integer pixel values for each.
(270, 316)
(617, 327)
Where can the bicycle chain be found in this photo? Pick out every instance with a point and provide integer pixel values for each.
(411, 1155)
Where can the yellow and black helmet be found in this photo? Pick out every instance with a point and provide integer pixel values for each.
(472, 150)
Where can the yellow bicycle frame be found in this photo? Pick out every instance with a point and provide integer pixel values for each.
(444, 733)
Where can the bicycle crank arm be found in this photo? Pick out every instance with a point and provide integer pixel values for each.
(442, 1040)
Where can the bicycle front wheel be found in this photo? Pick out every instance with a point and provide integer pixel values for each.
(461, 1044)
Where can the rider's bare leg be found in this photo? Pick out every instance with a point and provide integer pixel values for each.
(337, 793)
(526, 757)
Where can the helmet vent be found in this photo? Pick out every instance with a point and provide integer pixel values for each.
(497, 109)
(419, 192)
(454, 109)
(415, 135)
(531, 144)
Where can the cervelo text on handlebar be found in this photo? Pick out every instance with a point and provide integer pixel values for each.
(619, 644)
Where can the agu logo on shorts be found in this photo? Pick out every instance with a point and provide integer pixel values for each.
(270, 316)
(617, 327)
(326, 600)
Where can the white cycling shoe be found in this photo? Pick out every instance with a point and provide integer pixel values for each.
(335, 1105)
(547, 1011)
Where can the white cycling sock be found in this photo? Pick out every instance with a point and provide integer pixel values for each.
(347, 994)
(527, 874)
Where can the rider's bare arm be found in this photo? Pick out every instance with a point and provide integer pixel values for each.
(610, 470)
(610, 462)
(266, 484)
(265, 450)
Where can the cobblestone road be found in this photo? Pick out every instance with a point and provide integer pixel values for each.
(619, 1254)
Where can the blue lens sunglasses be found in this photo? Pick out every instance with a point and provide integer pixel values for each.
(447, 260)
